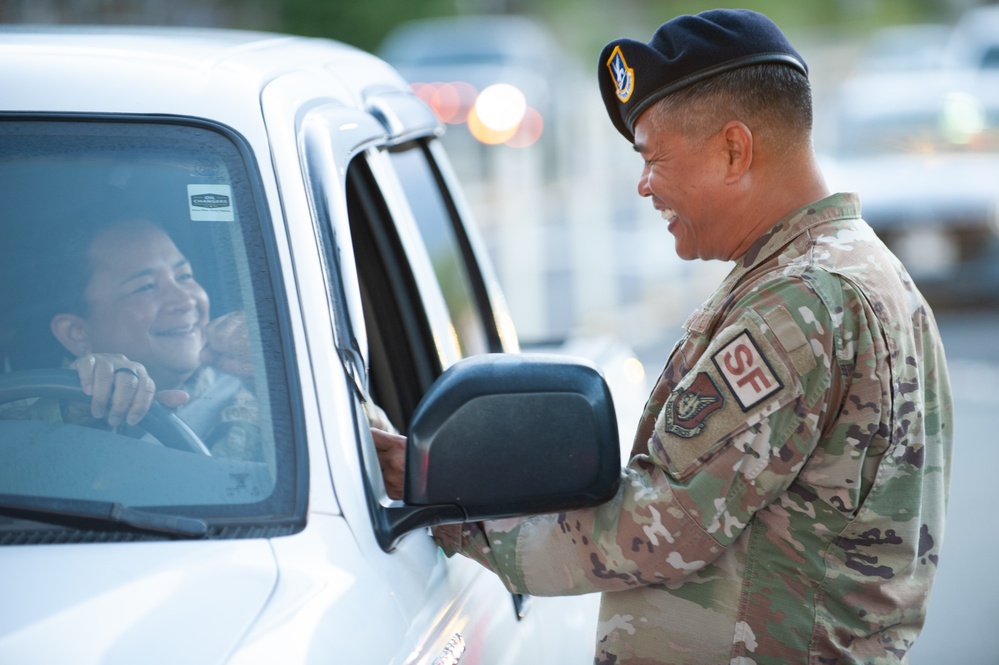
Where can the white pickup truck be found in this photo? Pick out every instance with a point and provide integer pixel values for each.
(305, 190)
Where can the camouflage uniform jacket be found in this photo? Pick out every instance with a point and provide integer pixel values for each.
(785, 500)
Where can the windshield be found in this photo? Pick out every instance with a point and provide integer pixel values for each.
(133, 260)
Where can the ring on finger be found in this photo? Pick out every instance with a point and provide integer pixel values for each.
(128, 370)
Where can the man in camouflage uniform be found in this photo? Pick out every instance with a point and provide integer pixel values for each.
(785, 498)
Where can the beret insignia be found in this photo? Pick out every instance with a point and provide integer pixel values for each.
(624, 76)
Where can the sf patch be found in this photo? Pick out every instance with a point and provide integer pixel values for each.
(685, 412)
(747, 372)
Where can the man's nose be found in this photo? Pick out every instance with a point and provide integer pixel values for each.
(643, 183)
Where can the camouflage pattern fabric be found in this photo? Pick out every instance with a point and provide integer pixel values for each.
(785, 500)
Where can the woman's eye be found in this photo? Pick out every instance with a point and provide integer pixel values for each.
(149, 286)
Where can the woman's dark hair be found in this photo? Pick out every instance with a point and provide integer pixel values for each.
(54, 264)
(66, 288)
(65, 284)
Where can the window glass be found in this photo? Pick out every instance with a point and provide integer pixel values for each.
(436, 223)
(402, 358)
(138, 245)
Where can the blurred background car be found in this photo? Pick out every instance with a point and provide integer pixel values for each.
(918, 134)
(975, 40)
(491, 75)
(917, 46)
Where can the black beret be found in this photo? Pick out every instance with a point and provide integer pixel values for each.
(687, 49)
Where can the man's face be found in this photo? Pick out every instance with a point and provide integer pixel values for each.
(684, 177)
(144, 303)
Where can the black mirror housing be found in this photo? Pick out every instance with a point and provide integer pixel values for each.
(500, 435)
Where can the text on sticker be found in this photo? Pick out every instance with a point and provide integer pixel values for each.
(746, 371)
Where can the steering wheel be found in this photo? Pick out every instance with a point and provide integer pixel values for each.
(159, 421)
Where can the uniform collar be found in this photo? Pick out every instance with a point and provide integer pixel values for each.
(780, 235)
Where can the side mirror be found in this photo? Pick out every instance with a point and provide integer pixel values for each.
(504, 435)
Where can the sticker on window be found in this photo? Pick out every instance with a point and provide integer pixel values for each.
(210, 203)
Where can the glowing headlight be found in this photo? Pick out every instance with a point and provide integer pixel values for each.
(963, 117)
(501, 107)
(634, 371)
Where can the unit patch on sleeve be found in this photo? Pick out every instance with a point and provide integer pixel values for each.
(685, 412)
(746, 371)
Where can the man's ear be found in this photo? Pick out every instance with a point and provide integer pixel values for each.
(71, 331)
(739, 145)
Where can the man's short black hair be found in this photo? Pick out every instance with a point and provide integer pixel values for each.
(772, 100)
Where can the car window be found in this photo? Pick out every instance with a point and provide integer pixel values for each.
(403, 355)
(449, 252)
(125, 239)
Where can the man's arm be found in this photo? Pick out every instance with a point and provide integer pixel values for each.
(730, 440)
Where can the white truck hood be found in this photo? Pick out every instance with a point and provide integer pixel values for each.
(157, 602)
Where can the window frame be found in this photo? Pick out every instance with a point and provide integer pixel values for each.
(273, 312)
(460, 241)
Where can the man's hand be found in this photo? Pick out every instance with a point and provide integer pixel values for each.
(227, 344)
(392, 457)
(121, 389)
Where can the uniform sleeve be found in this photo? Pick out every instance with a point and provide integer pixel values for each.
(730, 439)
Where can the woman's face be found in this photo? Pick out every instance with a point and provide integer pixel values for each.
(144, 303)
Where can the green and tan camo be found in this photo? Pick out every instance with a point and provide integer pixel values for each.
(785, 500)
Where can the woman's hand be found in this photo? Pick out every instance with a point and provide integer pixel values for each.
(121, 389)
(227, 344)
